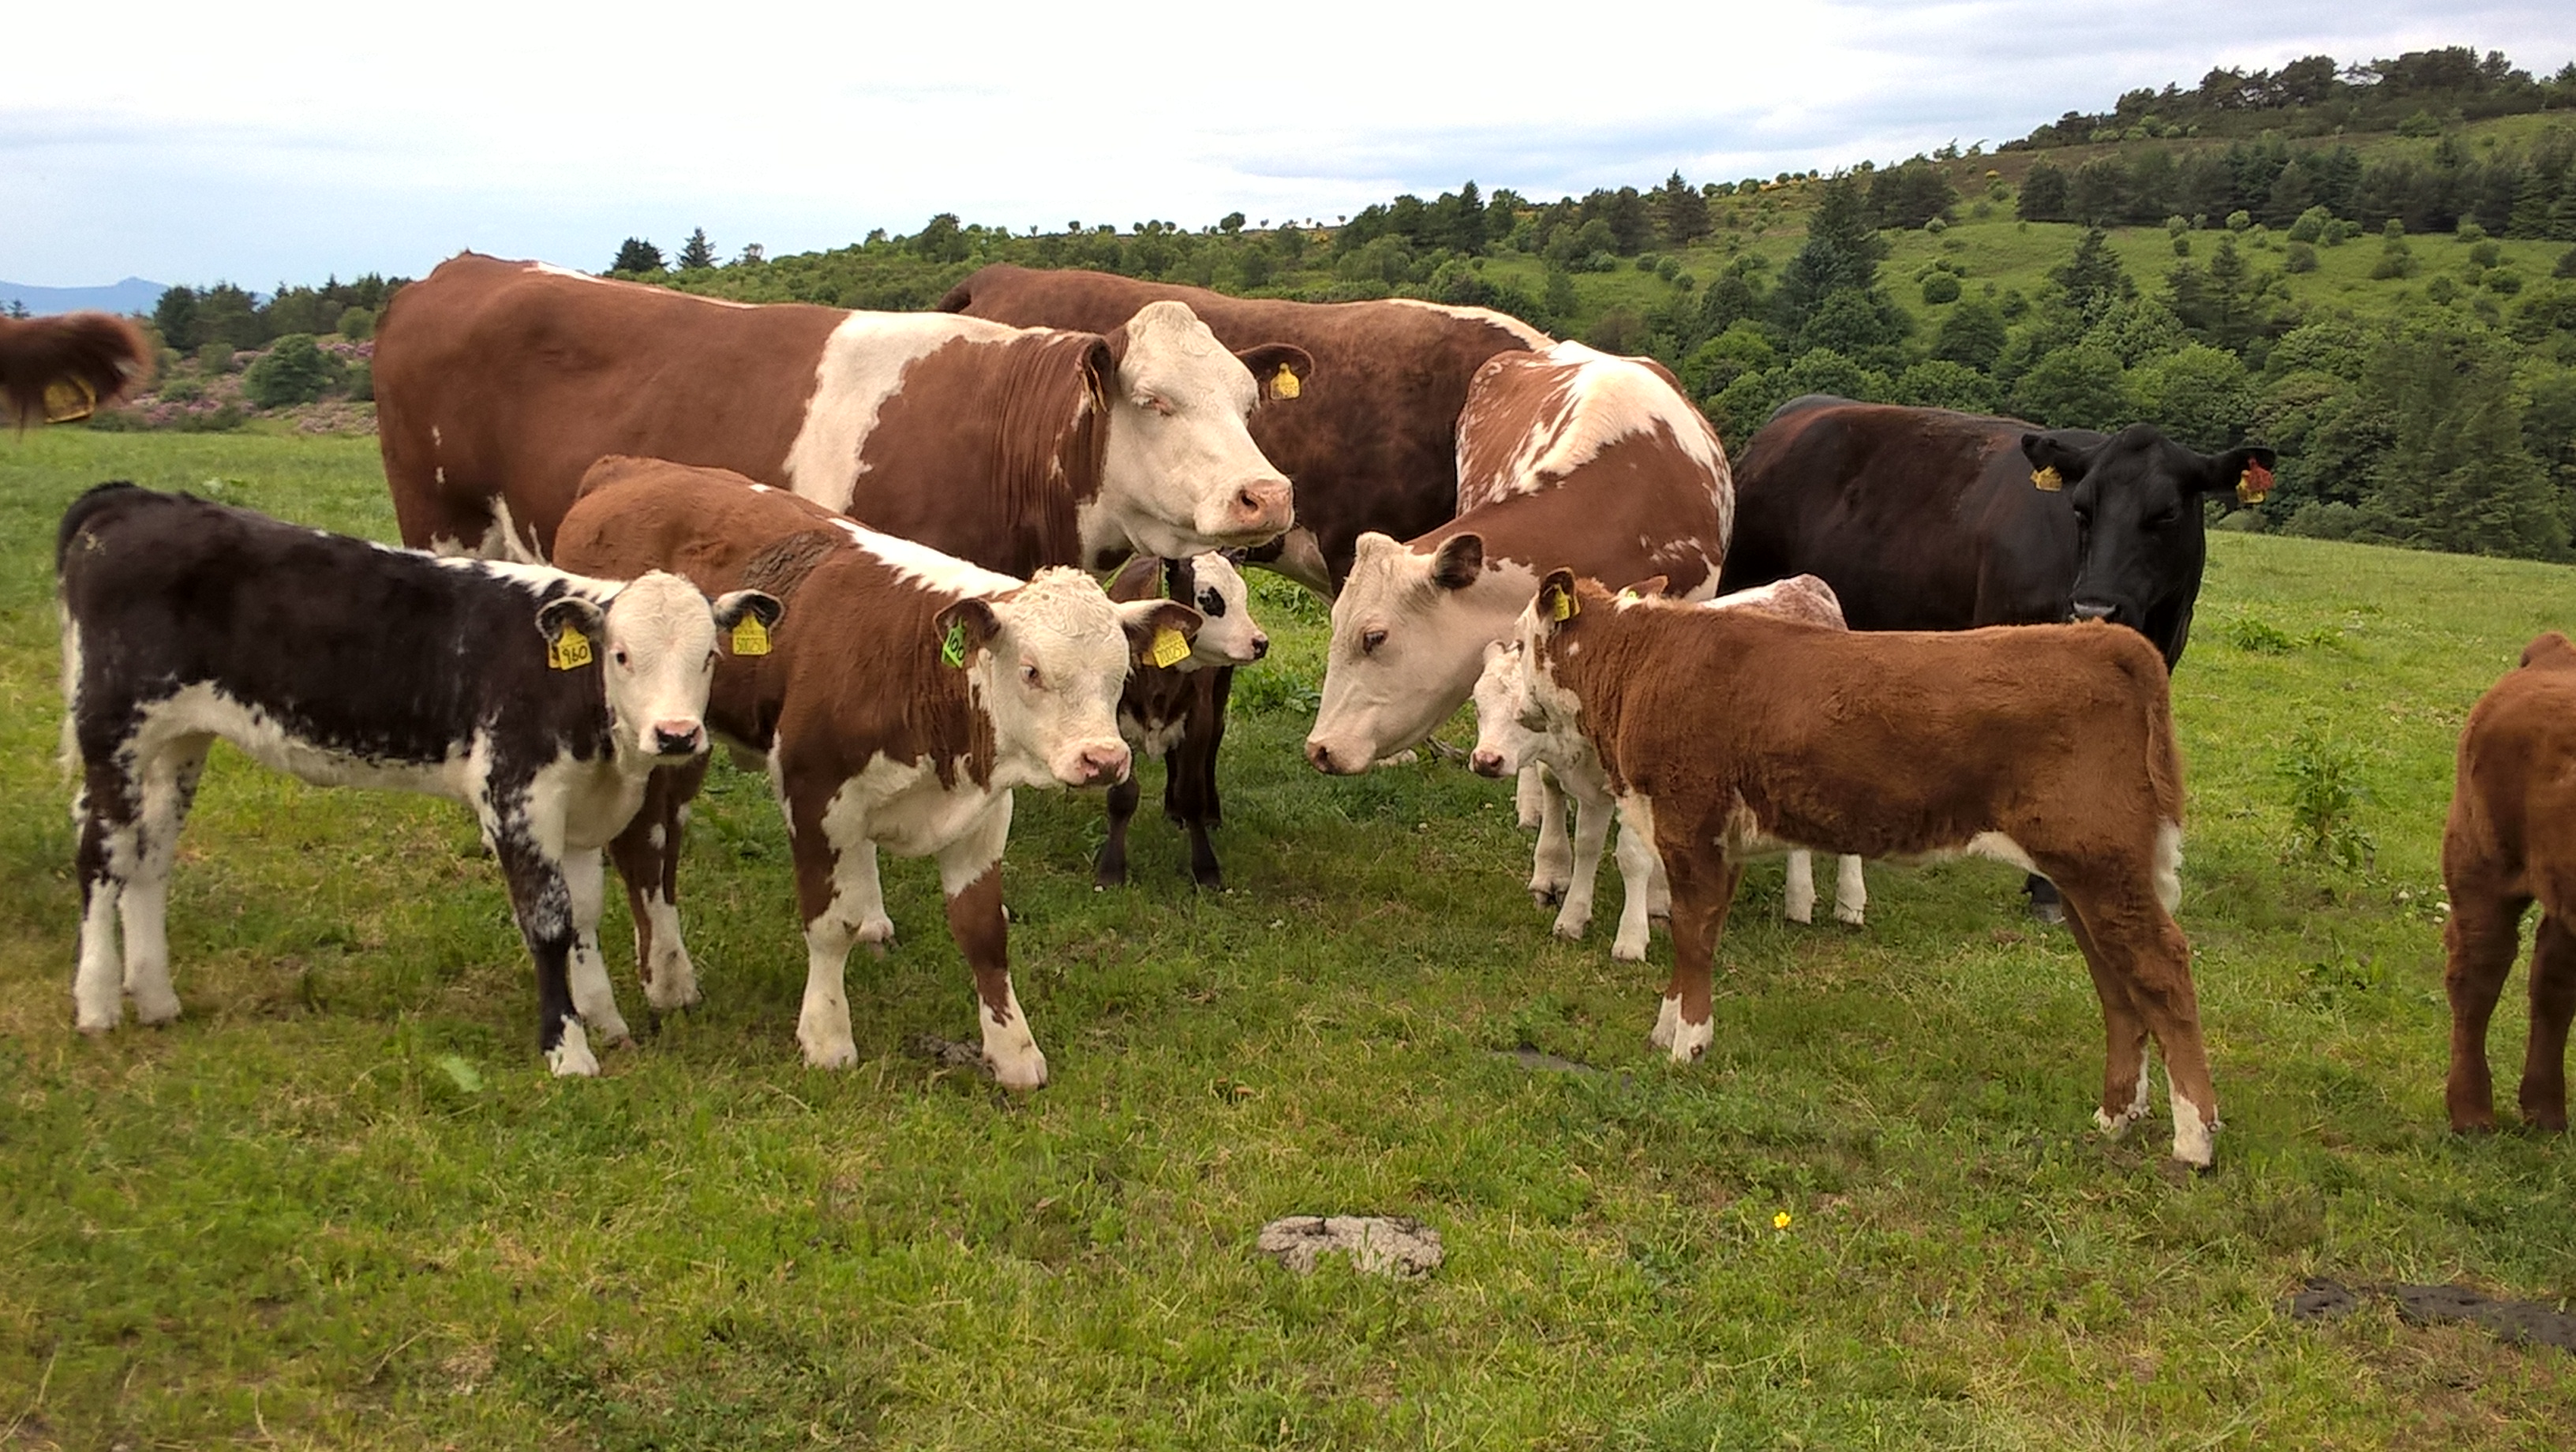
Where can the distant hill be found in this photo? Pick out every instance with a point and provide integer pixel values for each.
(132, 295)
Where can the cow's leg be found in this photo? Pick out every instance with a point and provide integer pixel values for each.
(647, 855)
(1704, 883)
(836, 885)
(1638, 872)
(2135, 938)
(970, 872)
(169, 783)
(2125, 1081)
(1798, 895)
(1851, 892)
(2045, 902)
(1109, 868)
(1189, 778)
(1205, 738)
(867, 908)
(1591, 830)
(1530, 793)
(107, 812)
(542, 901)
(593, 996)
(1552, 866)
(2480, 940)
(2553, 1002)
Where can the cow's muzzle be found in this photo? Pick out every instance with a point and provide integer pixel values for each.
(678, 738)
(1258, 511)
(1098, 765)
(1486, 762)
(2092, 610)
(1323, 759)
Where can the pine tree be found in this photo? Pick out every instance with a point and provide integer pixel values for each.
(697, 252)
(1681, 210)
(637, 255)
(2093, 279)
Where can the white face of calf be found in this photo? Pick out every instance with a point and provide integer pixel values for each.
(1409, 635)
(1052, 661)
(1181, 475)
(1503, 744)
(1228, 635)
(655, 645)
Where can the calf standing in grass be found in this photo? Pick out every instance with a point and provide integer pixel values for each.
(1176, 710)
(540, 699)
(1569, 767)
(2512, 841)
(909, 693)
(1730, 732)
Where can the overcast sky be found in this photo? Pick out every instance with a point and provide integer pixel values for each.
(275, 141)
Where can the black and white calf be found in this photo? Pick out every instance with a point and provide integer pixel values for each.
(540, 699)
(1176, 711)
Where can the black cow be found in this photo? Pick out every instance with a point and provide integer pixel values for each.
(1176, 710)
(540, 699)
(1923, 519)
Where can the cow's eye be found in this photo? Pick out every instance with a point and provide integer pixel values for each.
(1157, 403)
(1371, 641)
(619, 657)
(1029, 676)
(2165, 519)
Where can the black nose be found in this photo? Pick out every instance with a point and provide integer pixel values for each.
(675, 743)
(1260, 647)
(2086, 610)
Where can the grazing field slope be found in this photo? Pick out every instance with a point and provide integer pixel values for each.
(339, 1204)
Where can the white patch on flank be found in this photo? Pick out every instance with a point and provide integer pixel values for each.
(862, 366)
(2193, 1133)
(571, 1058)
(439, 473)
(1530, 338)
(2169, 864)
(2001, 848)
(435, 438)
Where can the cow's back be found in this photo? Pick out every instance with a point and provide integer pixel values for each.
(1920, 519)
(499, 380)
(1370, 441)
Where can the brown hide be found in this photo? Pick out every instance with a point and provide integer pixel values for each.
(2511, 841)
(1370, 441)
(504, 381)
(83, 360)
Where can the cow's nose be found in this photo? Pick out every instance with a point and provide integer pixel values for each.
(1262, 505)
(1260, 646)
(1486, 762)
(676, 738)
(2087, 610)
(1320, 755)
(1103, 765)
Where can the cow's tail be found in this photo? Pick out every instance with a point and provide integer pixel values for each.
(2146, 670)
(44, 362)
(66, 558)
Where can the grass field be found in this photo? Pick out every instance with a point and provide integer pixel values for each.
(339, 1203)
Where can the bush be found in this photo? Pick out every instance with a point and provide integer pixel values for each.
(356, 324)
(2311, 225)
(214, 358)
(2566, 264)
(1941, 287)
(2176, 225)
(2182, 244)
(2483, 254)
(2324, 519)
(2302, 258)
(2324, 777)
(293, 370)
(2470, 233)
(362, 383)
(2502, 280)
(2239, 220)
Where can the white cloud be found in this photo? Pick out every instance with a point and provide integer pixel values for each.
(304, 139)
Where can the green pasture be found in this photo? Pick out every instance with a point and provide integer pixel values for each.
(339, 1204)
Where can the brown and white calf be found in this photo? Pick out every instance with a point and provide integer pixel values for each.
(540, 699)
(907, 694)
(1728, 732)
(1569, 457)
(499, 383)
(2511, 841)
(1175, 713)
(1570, 768)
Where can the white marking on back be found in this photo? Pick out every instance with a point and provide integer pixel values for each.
(1597, 399)
(927, 567)
(862, 365)
(1530, 338)
(553, 270)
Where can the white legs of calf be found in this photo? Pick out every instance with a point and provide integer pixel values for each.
(592, 995)
(1640, 870)
(1685, 1041)
(1009, 1047)
(1851, 889)
(823, 1024)
(98, 1000)
(671, 979)
(1851, 892)
(572, 1058)
(1552, 865)
(1531, 796)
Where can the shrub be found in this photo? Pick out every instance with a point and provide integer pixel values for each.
(356, 324)
(2302, 258)
(2566, 264)
(2324, 519)
(2324, 777)
(2176, 225)
(2239, 220)
(293, 370)
(1941, 287)
(2182, 244)
(2484, 254)
(2470, 233)
(2502, 280)
(2311, 225)
(362, 383)
(214, 358)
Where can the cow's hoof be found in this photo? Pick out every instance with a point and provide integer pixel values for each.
(571, 1058)
(1691, 1040)
(876, 934)
(1020, 1070)
(1668, 1020)
(1849, 917)
(2050, 913)
(153, 1012)
(1624, 951)
(1547, 895)
(842, 1055)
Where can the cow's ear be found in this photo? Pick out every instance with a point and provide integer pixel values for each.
(733, 606)
(567, 616)
(2055, 461)
(1458, 561)
(1370, 544)
(1281, 369)
(1649, 587)
(1555, 603)
(2247, 471)
(964, 627)
(1100, 368)
(1159, 632)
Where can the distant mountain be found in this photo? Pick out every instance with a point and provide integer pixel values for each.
(133, 295)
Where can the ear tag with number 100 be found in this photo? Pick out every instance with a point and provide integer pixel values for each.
(953, 649)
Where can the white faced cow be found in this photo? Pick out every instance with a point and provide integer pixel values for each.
(540, 699)
(908, 694)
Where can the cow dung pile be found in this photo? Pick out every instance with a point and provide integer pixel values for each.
(1381, 1245)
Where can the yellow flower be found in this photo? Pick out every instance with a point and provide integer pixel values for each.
(1780, 1221)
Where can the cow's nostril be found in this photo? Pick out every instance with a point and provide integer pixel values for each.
(1260, 646)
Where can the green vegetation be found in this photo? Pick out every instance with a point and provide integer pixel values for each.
(339, 1204)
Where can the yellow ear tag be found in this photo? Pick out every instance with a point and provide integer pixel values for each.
(1283, 384)
(1170, 648)
(2253, 485)
(1560, 605)
(750, 637)
(569, 650)
(2048, 479)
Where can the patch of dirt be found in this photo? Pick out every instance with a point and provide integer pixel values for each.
(1383, 1245)
(2518, 1322)
(1539, 1061)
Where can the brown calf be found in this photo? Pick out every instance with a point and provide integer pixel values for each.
(61, 369)
(1729, 732)
(2512, 841)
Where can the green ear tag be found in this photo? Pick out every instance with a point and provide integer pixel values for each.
(953, 649)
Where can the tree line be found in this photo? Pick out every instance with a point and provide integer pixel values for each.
(2416, 92)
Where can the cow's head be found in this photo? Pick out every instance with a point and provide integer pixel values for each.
(1409, 634)
(654, 642)
(1503, 744)
(1547, 630)
(1212, 585)
(1181, 474)
(2136, 497)
(1047, 663)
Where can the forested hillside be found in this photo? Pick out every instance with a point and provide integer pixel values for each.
(2367, 267)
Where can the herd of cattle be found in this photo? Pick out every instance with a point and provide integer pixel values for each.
(868, 550)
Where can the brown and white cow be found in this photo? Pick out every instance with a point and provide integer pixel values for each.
(1729, 732)
(1175, 713)
(1372, 442)
(2511, 841)
(498, 383)
(540, 699)
(907, 694)
(1569, 767)
(1568, 457)
(64, 368)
